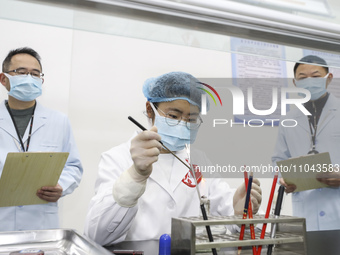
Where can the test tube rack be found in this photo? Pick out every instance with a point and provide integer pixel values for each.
(187, 240)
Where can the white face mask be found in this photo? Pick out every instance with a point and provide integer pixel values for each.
(24, 87)
(174, 137)
(316, 86)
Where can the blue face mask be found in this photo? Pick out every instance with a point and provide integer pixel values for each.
(24, 87)
(174, 137)
(316, 86)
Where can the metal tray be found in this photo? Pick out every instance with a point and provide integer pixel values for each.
(52, 242)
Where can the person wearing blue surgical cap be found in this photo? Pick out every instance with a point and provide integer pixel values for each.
(170, 89)
(141, 186)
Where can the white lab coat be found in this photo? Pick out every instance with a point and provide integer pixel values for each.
(51, 132)
(320, 207)
(109, 223)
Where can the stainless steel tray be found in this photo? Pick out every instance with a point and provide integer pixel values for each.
(52, 242)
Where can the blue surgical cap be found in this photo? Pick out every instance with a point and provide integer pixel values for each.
(173, 86)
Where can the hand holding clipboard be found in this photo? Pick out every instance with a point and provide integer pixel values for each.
(24, 173)
(309, 172)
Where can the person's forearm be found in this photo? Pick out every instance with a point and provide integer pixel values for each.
(107, 222)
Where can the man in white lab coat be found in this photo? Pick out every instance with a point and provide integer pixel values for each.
(319, 132)
(25, 125)
(140, 186)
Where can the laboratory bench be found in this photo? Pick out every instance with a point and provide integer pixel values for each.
(151, 247)
(318, 243)
(69, 242)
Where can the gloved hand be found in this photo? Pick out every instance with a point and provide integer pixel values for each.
(240, 197)
(145, 148)
(131, 184)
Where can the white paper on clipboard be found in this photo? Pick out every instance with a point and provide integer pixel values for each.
(302, 171)
(26, 172)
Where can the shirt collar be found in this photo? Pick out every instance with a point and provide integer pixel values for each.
(318, 104)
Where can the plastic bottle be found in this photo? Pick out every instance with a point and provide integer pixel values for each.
(164, 245)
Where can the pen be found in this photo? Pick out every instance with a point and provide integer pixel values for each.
(245, 211)
(270, 201)
(204, 214)
(243, 225)
(250, 213)
(277, 214)
(251, 226)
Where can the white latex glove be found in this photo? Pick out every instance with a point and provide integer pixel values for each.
(145, 148)
(240, 197)
(131, 184)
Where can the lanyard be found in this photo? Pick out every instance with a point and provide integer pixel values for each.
(17, 130)
(314, 119)
(313, 134)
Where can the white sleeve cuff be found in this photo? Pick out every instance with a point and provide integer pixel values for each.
(129, 187)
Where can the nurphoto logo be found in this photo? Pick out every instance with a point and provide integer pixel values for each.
(239, 103)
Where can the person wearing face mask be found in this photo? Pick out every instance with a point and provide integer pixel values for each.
(315, 133)
(140, 186)
(25, 125)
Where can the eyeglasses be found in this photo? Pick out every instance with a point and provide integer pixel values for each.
(173, 118)
(23, 71)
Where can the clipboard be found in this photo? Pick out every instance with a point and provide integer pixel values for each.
(26, 172)
(302, 171)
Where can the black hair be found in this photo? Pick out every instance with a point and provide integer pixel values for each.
(25, 50)
(313, 60)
